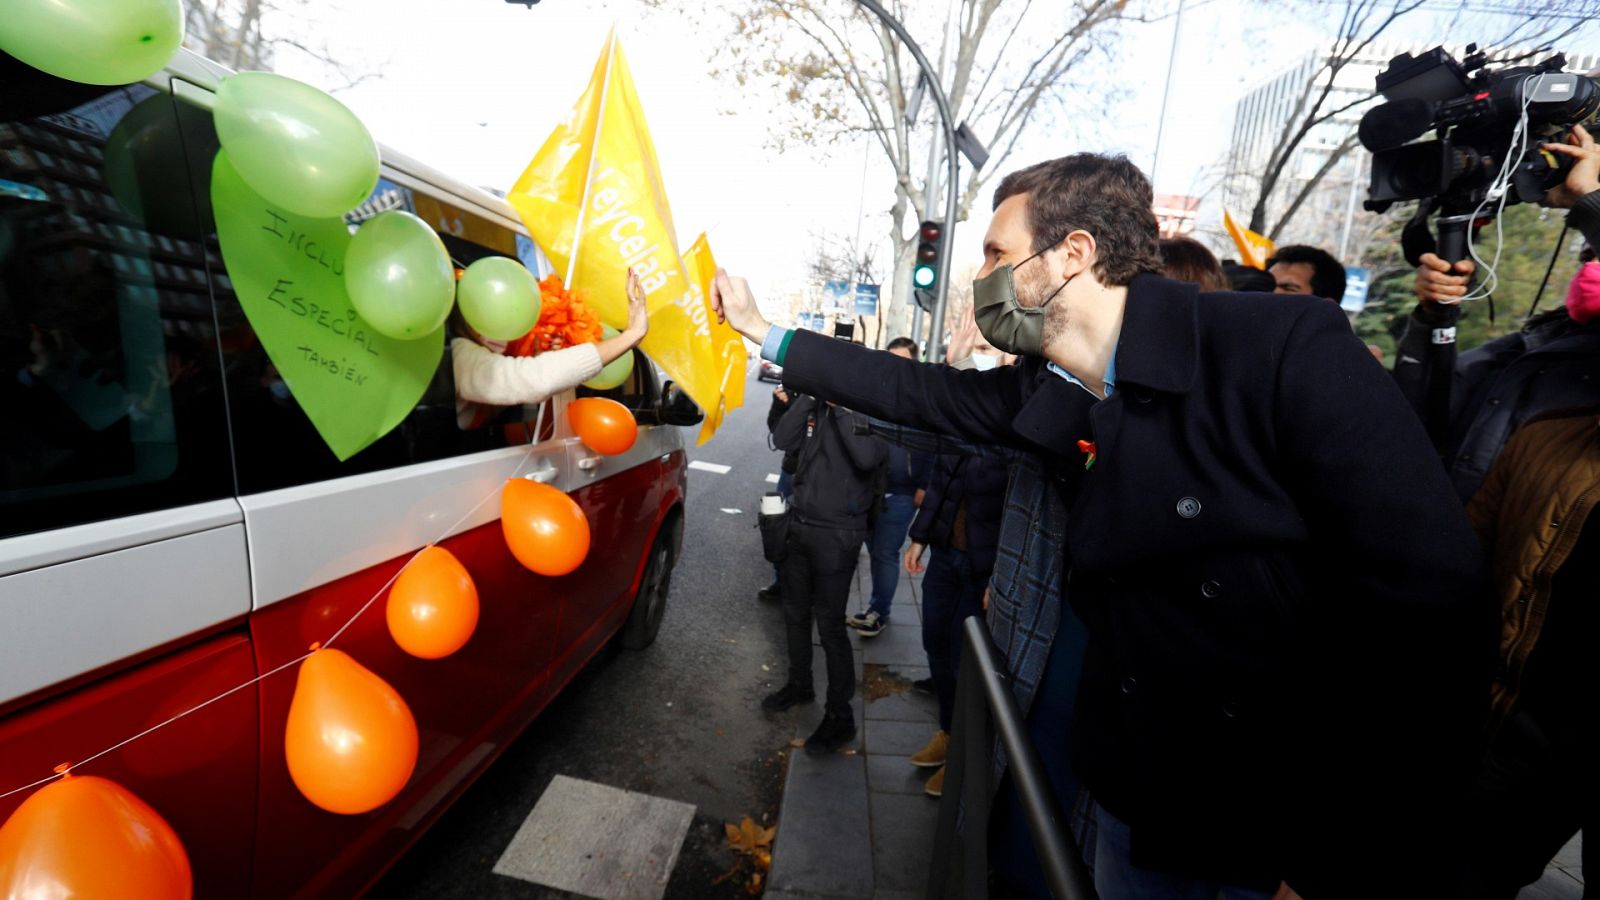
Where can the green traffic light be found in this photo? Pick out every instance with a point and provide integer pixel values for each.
(923, 276)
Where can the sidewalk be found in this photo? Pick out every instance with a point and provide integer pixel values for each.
(857, 824)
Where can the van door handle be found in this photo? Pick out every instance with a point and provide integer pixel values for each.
(545, 473)
(590, 463)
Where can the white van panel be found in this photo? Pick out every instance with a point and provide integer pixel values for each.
(49, 548)
(306, 536)
(64, 620)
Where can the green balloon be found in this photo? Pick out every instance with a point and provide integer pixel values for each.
(93, 41)
(295, 145)
(499, 298)
(399, 276)
(144, 166)
(616, 371)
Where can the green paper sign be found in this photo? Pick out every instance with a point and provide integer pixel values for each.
(288, 271)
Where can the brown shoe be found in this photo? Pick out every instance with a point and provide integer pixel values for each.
(933, 754)
(934, 787)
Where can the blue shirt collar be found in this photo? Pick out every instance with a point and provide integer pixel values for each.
(1110, 376)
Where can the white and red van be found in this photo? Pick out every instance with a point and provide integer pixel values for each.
(171, 525)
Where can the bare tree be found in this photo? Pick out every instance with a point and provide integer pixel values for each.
(842, 75)
(247, 35)
(1322, 97)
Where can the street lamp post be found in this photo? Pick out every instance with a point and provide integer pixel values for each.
(952, 163)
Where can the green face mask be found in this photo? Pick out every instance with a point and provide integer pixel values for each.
(1005, 323)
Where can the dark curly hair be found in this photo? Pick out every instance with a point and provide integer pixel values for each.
(1106, 196)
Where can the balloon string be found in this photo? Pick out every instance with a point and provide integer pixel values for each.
(64, 770)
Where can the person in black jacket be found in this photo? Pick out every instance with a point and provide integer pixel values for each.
(1552, 364)
(785, 487)
(836, 466)
(960, 521)
(1288, 636)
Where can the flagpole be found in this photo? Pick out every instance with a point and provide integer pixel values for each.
(594, 154)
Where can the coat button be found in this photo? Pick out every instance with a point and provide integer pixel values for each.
(1211, 589)
(1129, 683)
(1188, 507)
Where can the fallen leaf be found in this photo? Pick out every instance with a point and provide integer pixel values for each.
(750, 839)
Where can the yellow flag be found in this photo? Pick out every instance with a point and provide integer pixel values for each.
(594, 200)
(1254, 250)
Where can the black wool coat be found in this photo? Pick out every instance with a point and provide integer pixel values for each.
(1289, 637)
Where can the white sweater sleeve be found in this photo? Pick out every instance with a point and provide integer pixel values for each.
(483, 376)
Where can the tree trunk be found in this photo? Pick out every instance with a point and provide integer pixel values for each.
(898, 322)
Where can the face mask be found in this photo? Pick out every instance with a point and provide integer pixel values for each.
(1006, 324)
(983, 362)
(1583, 297)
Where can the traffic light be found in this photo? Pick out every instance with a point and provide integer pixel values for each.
(925, 274)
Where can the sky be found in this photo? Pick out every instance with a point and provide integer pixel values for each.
(473, 87)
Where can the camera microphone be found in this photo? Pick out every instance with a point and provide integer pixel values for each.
(1394, 123)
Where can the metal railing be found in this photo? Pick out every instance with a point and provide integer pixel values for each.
(985, 706)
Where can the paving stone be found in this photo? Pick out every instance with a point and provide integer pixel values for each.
(824, 842)
(598, 841)
(898, 644)
(808, 721)
(896, 738)
(1570, 859)
(893, 775)
(1555, 885)
(909, 706)
(902, 841)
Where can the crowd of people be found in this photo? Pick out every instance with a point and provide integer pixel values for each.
(1272, 634)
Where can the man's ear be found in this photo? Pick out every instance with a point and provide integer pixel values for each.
(1081, 249)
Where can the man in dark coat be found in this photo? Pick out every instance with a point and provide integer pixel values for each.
(835, 487)
(1288, 640)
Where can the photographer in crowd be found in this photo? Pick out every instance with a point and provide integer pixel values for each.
(1245, 491)
(837, 465)
(1553, 363)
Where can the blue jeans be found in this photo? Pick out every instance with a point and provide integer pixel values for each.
(952, 592)
(1116, 877)
(888, 536)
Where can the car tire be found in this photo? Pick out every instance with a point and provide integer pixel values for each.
(650, 604)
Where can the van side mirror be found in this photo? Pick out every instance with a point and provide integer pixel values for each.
(677, 408)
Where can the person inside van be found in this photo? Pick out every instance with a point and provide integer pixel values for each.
(487, 378)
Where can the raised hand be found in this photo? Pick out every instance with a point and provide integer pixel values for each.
(733, 303)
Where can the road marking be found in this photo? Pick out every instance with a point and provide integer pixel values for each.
(598, 841)
(772, 478)
(717, 468)
(732, 512)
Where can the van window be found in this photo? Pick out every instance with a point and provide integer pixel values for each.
(109, 375)
(640, 393)
(275, 444)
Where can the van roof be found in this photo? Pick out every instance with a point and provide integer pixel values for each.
(207, 73)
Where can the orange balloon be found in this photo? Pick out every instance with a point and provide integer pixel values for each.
(87, 838)
(433, 606)
(546, 530)
(351, 742)
(605, 425)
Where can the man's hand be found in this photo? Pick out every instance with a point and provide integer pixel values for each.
(733, 303)
(1437, 283)
(1584, 178)
(781, 394)
(1285, 892)
(916, 499)
(913, 560)
(964, 339)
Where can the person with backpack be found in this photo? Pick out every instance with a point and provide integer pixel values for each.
(837, 466)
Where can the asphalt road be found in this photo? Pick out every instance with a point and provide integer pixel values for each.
(680, 719)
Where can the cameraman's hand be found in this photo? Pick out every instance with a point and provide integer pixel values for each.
(1584, 178)
(1436, 283)
(733, 303)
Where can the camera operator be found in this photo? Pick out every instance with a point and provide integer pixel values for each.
(1552, 363)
